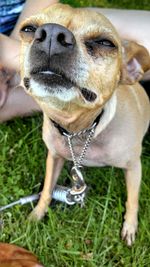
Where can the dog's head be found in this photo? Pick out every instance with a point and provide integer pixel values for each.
(71, 61)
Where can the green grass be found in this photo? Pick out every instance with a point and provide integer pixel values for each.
(129, 4)
(69, 236)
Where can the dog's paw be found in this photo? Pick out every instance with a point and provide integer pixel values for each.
(128, 233)
(41, 208)
(37, 214)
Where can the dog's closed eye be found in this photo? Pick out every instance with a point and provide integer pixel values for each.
(99, 45)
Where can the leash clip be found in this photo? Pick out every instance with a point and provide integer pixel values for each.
(78, 191)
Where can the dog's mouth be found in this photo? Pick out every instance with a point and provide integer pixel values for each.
(53, 78)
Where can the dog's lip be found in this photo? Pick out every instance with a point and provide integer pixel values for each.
(49, 72)
(44, 71)
(88, 95)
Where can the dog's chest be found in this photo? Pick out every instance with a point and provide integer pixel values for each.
(97, 154)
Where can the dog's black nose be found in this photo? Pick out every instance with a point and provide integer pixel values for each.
(54, 39)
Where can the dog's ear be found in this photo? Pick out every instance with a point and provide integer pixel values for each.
(136, 61)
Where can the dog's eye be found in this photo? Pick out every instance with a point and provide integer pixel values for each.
(105, 42)
(99, 46)
(29, 29)
(27, 32)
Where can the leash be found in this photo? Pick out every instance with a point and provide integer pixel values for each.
(60, 193)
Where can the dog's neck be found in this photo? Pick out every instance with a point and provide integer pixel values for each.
(101, 121)
(64, 132)
(108, 115)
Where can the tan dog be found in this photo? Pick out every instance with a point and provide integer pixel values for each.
(74, 65)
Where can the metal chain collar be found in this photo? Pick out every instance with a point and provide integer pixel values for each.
(77, 163)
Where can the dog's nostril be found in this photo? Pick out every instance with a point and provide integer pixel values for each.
(64, 41)
(41, 35)
(61, 39)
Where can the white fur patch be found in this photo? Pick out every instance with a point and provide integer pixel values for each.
(61, 93)
(25, 60)
(109, 112)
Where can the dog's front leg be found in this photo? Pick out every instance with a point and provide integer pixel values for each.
(53, 168)
(133, 180)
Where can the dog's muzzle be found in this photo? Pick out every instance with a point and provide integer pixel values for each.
(52, 58)
(51, 54)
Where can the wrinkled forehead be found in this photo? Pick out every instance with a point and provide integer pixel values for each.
(80, 21)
